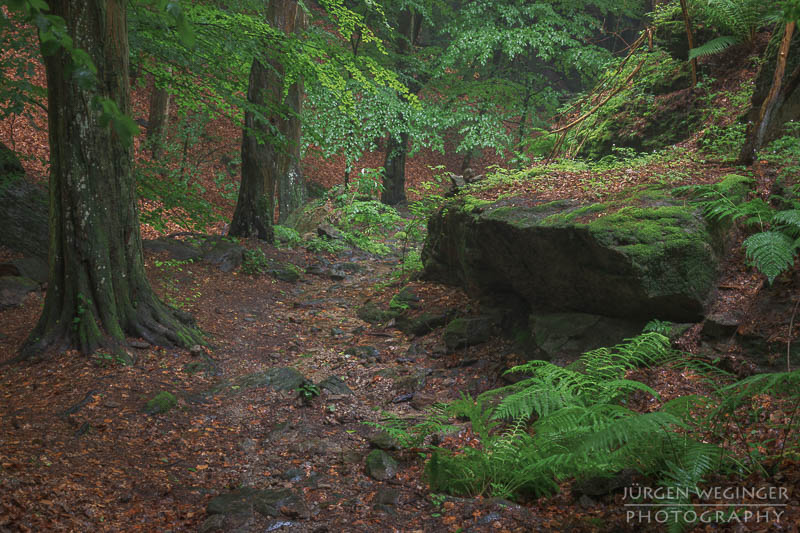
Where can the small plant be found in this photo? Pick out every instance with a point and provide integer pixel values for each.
(255, 262)
(104, 359)
(286, 237)
(307, 392)
(161, 403)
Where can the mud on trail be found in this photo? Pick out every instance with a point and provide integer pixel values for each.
(83, 447)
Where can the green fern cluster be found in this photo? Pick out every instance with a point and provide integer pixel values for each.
(563, 423)
(773, 250)
(737, 21)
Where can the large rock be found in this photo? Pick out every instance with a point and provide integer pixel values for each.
(14, 290)
(644, 255)
(23, 215)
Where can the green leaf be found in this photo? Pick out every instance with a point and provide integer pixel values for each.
(714, 46)
(771, 252)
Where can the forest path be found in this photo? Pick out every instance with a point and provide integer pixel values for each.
(82, 448)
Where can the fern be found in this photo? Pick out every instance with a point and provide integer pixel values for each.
(771, 252)
(712, 47)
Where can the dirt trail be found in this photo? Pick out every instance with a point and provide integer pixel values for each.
(78, 451)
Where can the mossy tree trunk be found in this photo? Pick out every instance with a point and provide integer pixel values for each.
(271, 150)
(97, 289)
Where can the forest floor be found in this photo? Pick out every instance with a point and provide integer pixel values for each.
(79, 451)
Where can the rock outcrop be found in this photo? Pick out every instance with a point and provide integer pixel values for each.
(646, 255)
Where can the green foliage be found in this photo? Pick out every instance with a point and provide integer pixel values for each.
(161, 403)
(104, 359)
(255, 262)
(171, 186)
(773, 250)
(562, 423)
(731, 401)
(308, 391)
(286, 237)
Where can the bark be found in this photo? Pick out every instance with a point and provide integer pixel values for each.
(254, 207)
(158, 119)
(394, 171)
(394, 167)
(690, 37)
(97, 289)
(268, 168)
(757, 131)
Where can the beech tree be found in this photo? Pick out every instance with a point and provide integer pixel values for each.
(270, 144)
(97, 289)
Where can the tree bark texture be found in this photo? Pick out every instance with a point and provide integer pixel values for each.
(777, 105)
(394, 171)
(270, 167)
(394, 167)
(158, 120)
(97, 289)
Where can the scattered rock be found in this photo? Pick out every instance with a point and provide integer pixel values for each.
(212, 524)
(565, 336)
(463, 332)
(161, 403)
(34, 268)
(422, 400)
(266, 502)
(404, 299)
(285, 272)
(381, 465)
(328, 231)
(196, 350)
(226, 255)
(364, 352)
(387, 496)
(382, 440)
(139, 344)
(178, 250)
(14, 290)
(720, 326)
(421, 324)
(334, 385)
(373, 314)
(278, 378)
(602, 485)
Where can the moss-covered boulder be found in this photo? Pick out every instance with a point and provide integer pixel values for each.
(646, 254)
(161, 403)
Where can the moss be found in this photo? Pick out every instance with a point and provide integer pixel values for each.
(161, 403)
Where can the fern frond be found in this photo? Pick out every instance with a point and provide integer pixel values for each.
(714, 46)
(789, 218)
(771, 252)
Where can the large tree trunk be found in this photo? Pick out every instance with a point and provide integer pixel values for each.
(254, 207)
(268, 168)
(394, 171)
(97, 289)
(158, 119)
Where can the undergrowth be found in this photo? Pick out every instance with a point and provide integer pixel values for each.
(574, 422)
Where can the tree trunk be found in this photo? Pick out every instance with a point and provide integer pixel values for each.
(757, 130)
(394, 167)
(289, 17)
(267, 168)
(254, 207)
(394, 171)
(690, 38)
(157, 122)
(97, 289)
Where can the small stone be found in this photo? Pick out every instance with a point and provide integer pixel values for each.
(388, 496)
(381, 465)
(422, 400)
(196, 350)
(161, 403)
(139, 345)
(382, 440)
(212, 524)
